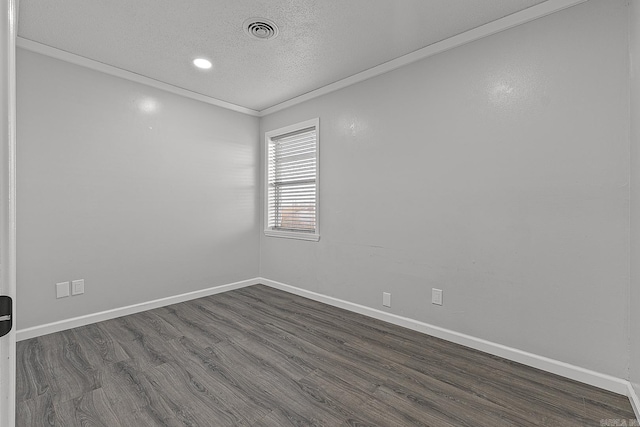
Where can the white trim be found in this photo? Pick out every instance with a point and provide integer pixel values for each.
(596, 379)
(311, 123)
(88, 319)
(538, 11)
(292, 235)
(586, 376)
(128, 75)
(8, 208)
(633, 398)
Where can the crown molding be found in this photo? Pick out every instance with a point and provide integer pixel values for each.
(538, 11)
(510, 21)
(128, 75)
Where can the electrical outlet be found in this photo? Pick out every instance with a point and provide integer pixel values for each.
(386, 299)
(62, 289)
(77, 287)
(436, 296)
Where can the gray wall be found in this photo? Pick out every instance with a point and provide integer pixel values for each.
(634, 332)
(142, 193)
(498, 172)
(505, 183)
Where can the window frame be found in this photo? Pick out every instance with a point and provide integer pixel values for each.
(268, 137)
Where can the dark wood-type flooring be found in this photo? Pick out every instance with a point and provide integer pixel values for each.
(262, 357)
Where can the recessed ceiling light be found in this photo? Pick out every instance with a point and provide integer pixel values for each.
(205, 64)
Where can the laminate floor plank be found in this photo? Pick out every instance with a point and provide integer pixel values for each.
(450, 357)
(491, 391)
(145, 417)
(147, 350)
(36, 412)
(442, 391)
(194, 400)
(490, 372)
(355, 406)
(150, 324)
(192, 323)
(227, 394)
(31, 382)
(99, 346)
(258, 356)
(266, 356)
(273, 385)
(67, 369)
(286, 418)
(227, 324)
(330, 364)
(307, 355)
(222, 384)
(91, 409)
(128, 388)
(223, 366)
(320, 336)
(360, 357)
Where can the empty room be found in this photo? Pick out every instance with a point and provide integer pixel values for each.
(320, 213)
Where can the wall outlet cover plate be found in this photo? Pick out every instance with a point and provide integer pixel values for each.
(62, 289)
(436, 296)
(77, 287)
(386, 299)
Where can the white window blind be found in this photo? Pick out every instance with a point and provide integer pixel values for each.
(292, 171)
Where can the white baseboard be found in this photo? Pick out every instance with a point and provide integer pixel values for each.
(635, 401)
(36, 331)
(597, 379)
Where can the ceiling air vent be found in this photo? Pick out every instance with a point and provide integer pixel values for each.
(261, 28)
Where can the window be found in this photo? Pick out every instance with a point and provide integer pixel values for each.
(291, 208)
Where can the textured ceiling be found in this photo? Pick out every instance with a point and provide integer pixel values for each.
(320, 41)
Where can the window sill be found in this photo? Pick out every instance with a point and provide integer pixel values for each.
(292, 235)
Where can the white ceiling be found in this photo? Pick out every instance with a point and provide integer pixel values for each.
(320, 41)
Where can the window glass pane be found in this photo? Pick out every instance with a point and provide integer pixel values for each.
(291, 177)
